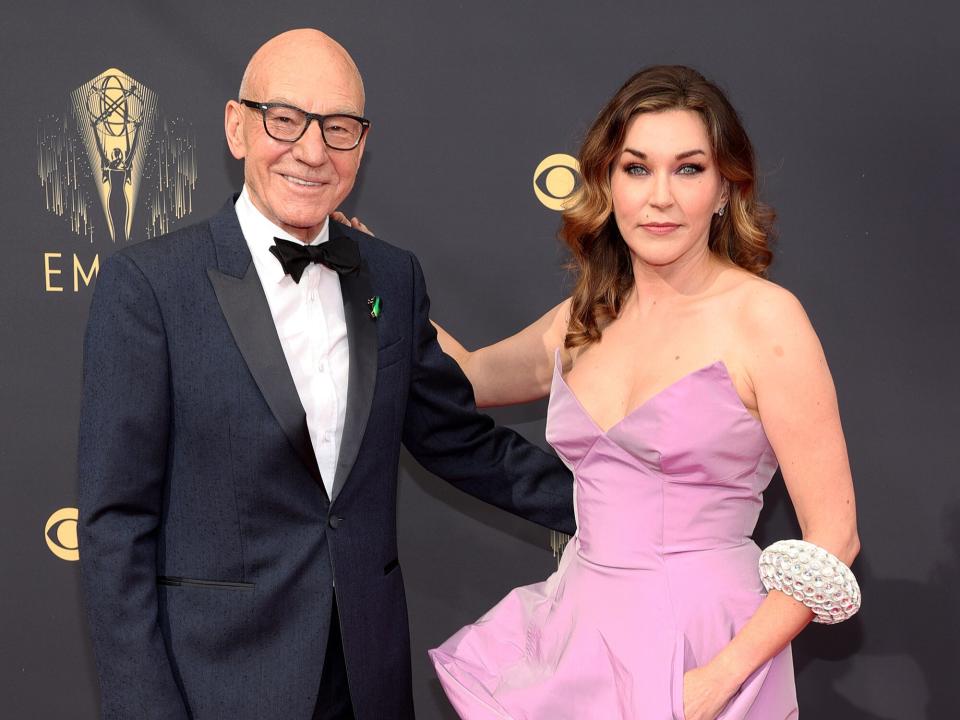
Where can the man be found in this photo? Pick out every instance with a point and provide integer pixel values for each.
(243, 407)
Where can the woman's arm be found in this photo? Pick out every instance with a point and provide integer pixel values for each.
(798, 407)
(517, 369)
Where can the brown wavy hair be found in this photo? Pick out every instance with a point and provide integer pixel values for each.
(600, 257)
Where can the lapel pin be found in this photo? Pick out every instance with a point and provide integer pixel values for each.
(375, 306)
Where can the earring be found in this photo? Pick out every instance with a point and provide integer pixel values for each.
(720, 211)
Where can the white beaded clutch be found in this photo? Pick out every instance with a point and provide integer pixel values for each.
(813, 576)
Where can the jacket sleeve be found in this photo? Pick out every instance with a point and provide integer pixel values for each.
(448, 436)
(125, 422)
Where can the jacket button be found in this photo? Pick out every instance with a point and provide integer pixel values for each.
(334, 521)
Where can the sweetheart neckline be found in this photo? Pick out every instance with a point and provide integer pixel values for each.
(715, 364)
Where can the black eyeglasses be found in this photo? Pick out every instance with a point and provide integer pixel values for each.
(287, 123)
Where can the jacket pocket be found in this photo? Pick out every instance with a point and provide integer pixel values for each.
(391, 353)
(172, 581)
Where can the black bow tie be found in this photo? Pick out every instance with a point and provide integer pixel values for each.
(339, 253)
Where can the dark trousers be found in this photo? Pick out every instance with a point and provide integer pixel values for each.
(333, 700)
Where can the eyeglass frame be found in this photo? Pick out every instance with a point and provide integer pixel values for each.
(310, 117)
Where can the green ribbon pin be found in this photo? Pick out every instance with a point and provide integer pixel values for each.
(375, 306)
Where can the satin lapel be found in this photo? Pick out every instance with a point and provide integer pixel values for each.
(245, 308)
(362, 338)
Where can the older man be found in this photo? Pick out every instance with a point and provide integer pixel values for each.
(247, 384)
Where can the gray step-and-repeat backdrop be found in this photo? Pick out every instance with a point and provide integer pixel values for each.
(112, 133)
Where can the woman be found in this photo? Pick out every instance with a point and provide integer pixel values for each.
(678, 379)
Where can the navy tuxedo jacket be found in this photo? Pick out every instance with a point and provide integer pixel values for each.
(209, 548)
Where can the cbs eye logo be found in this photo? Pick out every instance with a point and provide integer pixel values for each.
(556, 179)
(61, 534)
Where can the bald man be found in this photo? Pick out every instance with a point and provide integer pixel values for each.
(247, 384)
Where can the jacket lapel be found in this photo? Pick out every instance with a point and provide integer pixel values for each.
(362, 339)
(244, 305)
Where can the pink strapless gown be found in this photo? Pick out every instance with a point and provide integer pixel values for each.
(659, 577)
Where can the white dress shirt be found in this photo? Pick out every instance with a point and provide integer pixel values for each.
(312, 329)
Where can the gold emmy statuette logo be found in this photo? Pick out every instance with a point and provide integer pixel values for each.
(109, 144)
(61, 534)
(556, 179)
(116, 115)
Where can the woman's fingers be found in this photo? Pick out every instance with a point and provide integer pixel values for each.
(353, 222)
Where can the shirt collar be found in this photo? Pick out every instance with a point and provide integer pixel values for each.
(259, 233)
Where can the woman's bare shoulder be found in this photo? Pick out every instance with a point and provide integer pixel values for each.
(774, 336)
(761, 305)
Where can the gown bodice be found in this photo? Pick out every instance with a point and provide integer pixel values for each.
(683, 472)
